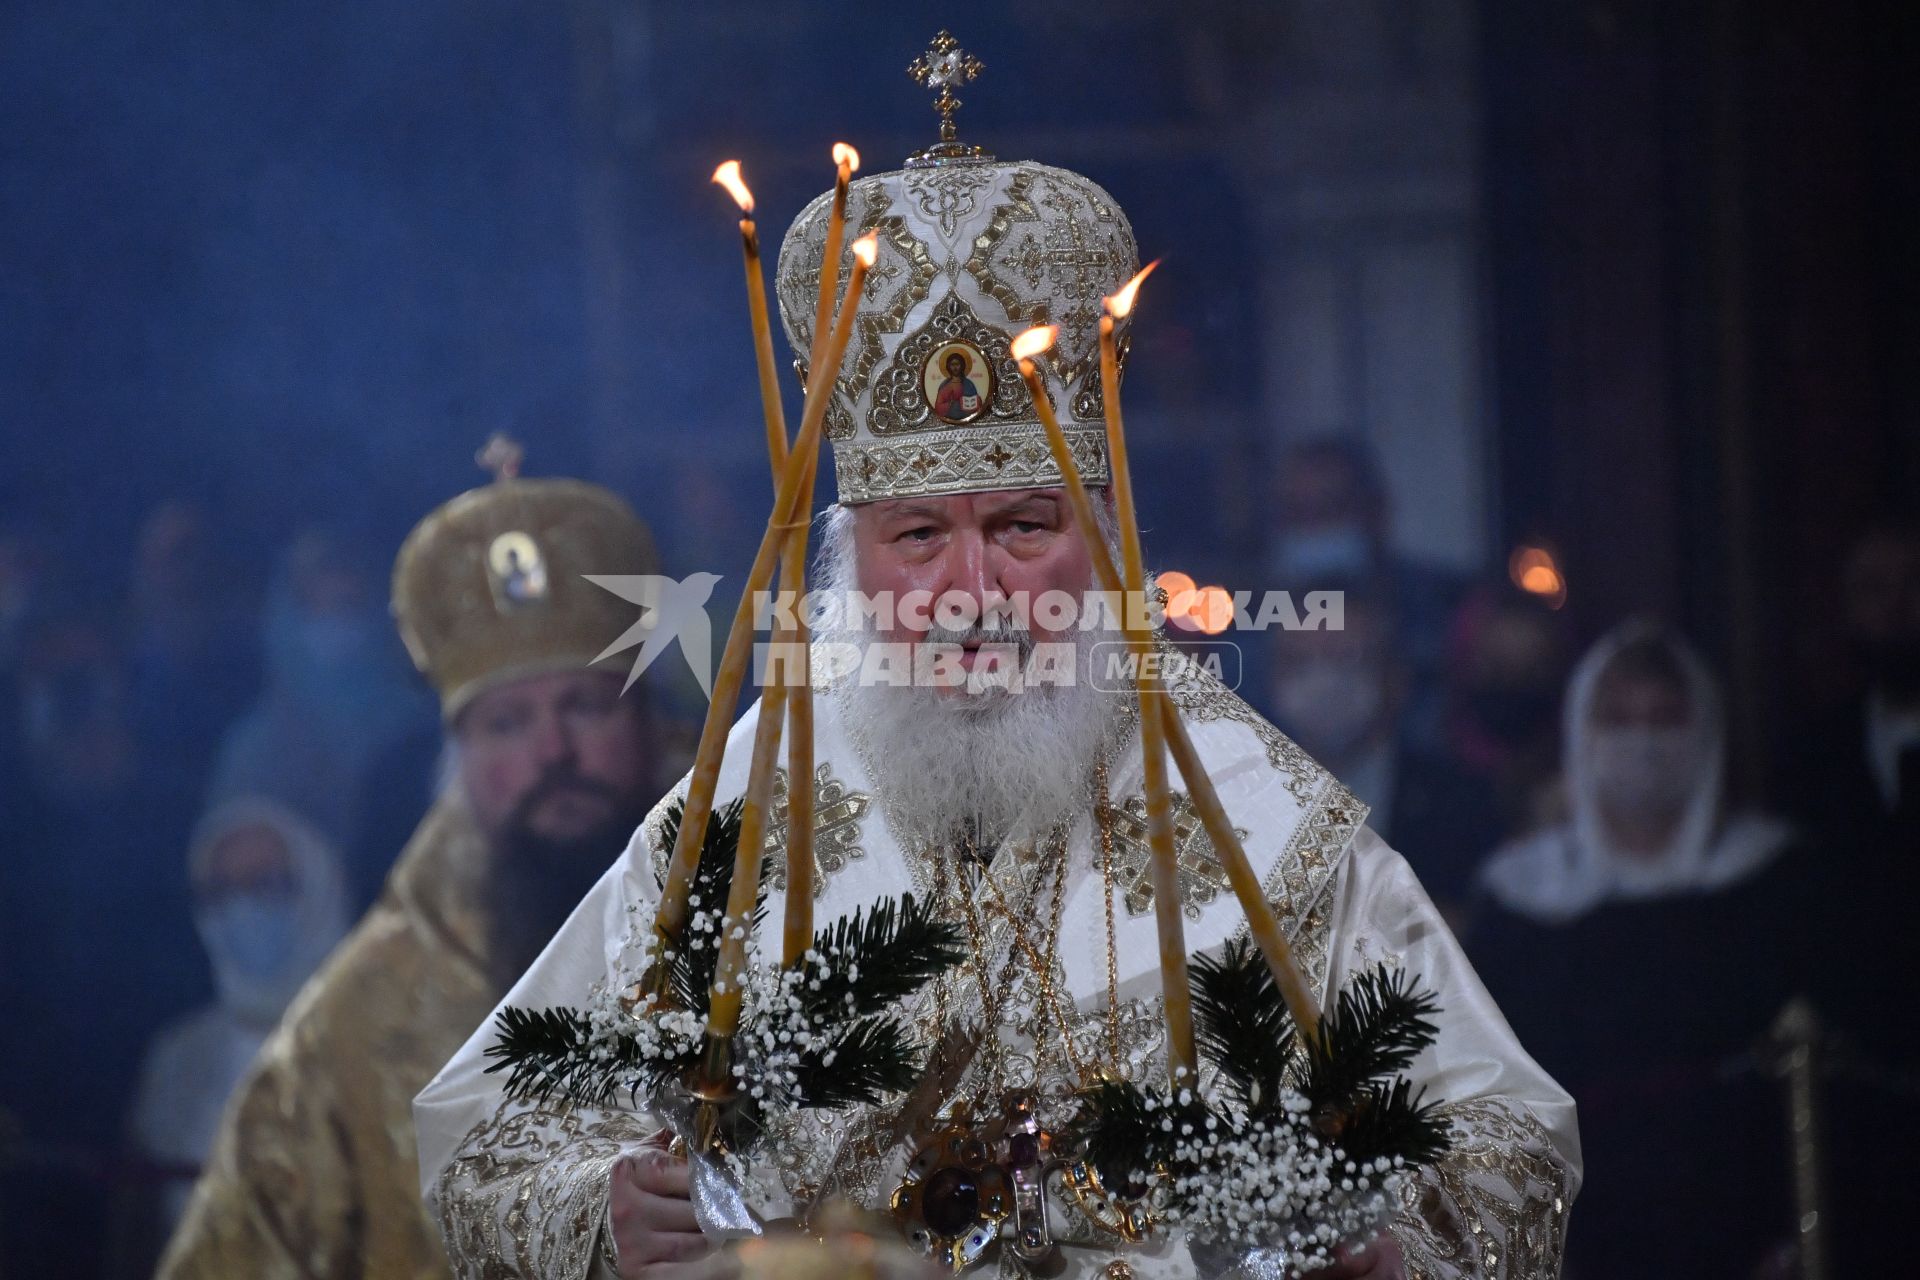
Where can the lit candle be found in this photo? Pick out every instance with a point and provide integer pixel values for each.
(1176, 988)
(1262, 921)
(845, 161)
(698, 808)
(1024, 349)
(797, 930)
(728, 176)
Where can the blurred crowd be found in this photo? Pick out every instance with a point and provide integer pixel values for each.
(205, 781)
(1643, 920)
(203, 787)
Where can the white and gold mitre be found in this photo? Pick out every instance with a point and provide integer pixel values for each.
(972, 251)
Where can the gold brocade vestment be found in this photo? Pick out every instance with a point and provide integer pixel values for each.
(314, 1172)
(520, 1189)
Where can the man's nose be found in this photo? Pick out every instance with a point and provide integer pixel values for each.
(552, 739)
(972, 569)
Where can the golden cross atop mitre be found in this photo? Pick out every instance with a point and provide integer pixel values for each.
(502, 455)
(944, 65)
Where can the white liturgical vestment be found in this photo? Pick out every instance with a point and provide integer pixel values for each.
(521, 1189)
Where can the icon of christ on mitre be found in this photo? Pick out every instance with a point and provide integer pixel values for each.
(1118, 982)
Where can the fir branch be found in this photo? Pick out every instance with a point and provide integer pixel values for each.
(1130, 1133)
(1389, 1119)
(861, 1062)
(1379, 1026)
(1243, 1024)
(549, 1054)
(694, 958)
(864, 962)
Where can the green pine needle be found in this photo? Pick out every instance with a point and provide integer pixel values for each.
(1242, 1023)
(690, 970)
(867, 1060)
(873, 958)
(1377, 1028)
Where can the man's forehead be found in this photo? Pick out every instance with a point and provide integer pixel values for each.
(955, 506)
(547, 686)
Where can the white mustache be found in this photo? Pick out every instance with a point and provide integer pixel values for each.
(999, 631)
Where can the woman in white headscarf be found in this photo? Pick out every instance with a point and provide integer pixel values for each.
(1644, 760)
(270, 901)
(1641, 947)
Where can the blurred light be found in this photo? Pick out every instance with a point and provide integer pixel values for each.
(867, 248)
(1212, 610)
(846, 155)
(1532, 569)
(1180, 589)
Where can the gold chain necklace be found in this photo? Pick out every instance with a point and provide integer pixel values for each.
(1043, 964)
(991, 999)
(1103, 819)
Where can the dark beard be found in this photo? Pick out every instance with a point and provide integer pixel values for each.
(537, 880)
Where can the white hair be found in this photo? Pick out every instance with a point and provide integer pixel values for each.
(999, 761)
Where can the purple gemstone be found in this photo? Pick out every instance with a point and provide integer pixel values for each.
(950, 1201)
(1023, 1149)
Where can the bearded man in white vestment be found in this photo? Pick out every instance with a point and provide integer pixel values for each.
(1019, 813)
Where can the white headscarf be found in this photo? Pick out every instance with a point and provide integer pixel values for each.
(320, 917)
(1559, 874)
(194, 1063)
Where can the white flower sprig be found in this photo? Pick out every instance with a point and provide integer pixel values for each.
(777, 1030)
(1274, 1185)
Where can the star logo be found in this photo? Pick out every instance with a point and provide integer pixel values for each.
(670, 610)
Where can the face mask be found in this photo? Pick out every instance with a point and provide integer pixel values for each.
(251, 936)
(1321, 556)
(1329, 706)
(1643, 769)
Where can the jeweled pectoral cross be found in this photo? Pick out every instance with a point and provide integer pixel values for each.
(969, 1180)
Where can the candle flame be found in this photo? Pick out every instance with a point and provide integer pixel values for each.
(1122, 302)
(846, 155)
(1034, 341)
(728, 176)
(867, 249)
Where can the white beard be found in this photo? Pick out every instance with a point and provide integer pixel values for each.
(996, 762)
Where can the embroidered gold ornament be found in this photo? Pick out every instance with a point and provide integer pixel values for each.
(488, 587)
(973, 250)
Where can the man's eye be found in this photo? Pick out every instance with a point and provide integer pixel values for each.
(924, 533)
(1027, 526)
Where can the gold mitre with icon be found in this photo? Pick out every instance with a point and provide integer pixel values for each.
(489, 587)
(972, 251)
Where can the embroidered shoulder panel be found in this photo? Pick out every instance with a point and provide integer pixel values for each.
(1494, 1207)
(838, 815)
